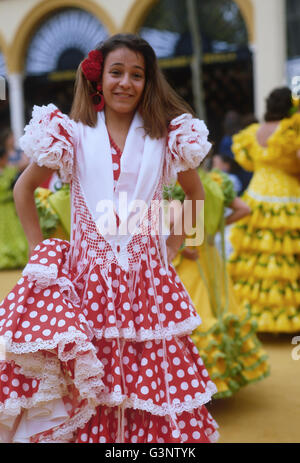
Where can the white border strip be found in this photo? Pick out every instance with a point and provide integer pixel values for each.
(274, 199)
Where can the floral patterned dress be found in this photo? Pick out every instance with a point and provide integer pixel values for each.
(265, 264)
(95, 353)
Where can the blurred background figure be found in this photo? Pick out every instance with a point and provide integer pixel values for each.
(226, 339)
(265, 265)
(228, 165)
(248, 119)
(233, 123)
(15, 156)
(13, 243)
(231, 126)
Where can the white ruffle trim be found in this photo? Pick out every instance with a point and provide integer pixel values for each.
(88, 372)
(114, 399)
(46, 144)
(52, 385)
(44, 276)
(66, 431)
(59, 340)
(178, 329)
(187, 146)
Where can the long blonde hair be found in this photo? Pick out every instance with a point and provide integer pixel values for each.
(159, 104)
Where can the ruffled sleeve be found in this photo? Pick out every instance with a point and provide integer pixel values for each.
(285, 141)
(49, 140)
(243, 145)
(187, 145)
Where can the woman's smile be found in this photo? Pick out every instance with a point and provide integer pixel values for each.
(123, 81)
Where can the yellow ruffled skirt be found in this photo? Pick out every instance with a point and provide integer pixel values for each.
(265, 264)
(226, 339)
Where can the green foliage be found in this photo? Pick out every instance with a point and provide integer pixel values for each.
(47, 217)
(174, 192)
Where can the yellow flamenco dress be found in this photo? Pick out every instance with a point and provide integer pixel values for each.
(226, 339)
(265, 264)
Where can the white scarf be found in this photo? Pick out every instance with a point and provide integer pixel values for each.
(141, 169)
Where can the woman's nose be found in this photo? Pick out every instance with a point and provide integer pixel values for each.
(125, 81)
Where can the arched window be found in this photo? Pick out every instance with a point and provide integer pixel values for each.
(62, 41)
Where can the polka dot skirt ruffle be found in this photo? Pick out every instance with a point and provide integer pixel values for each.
(142, 427)
(134, 341)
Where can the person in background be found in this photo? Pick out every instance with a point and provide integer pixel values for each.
(265, 264)
(13, 243)
(230, 167)
(16, 157)
(233, 123)
(248, 119)
(227, 339)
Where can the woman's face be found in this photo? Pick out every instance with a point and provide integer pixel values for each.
(123, 80)
(218, 163)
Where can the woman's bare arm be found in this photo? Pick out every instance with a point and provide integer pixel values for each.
(24, 189)
(239, 210)
(192, 186)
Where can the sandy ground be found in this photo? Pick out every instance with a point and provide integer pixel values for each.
(267, 411)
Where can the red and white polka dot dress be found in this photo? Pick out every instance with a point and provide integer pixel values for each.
(99, 354)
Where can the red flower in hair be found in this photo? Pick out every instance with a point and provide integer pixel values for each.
(92, 69)
(92, 66)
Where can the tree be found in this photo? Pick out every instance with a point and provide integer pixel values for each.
(217, 19)
(196, 64)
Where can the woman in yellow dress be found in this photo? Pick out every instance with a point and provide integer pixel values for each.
(265, 264)
(226, 339)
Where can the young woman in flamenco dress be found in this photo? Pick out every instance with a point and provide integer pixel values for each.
(97, 329)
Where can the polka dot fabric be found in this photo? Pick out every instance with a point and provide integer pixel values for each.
(111, 345)
(138, 376)
(13, 384)
(141, 427)
(134, 308)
